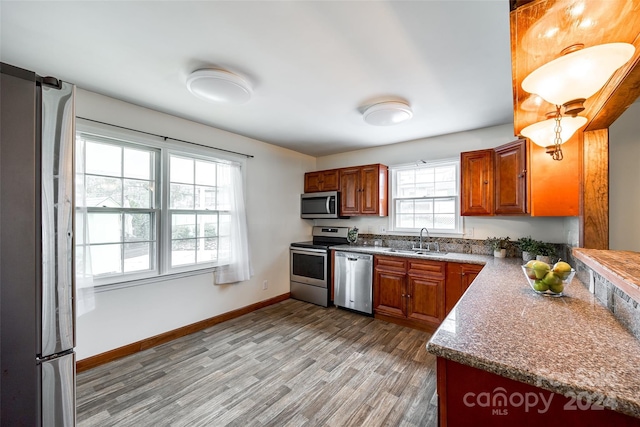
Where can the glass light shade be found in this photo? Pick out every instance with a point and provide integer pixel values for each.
(543, 133)
(577, 75)
(219, 86)
(387, 113)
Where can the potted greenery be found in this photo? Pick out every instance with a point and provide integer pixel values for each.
(529, 247)
(545, 252)
(499, 245)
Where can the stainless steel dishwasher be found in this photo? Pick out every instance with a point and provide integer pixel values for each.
(354, 281)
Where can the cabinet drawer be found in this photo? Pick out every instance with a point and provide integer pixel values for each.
(390, 263)
(428, 268)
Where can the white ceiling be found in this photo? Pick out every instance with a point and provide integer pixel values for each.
(313, 65)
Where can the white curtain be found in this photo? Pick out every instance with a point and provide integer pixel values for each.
(85, 296)
(239, 267)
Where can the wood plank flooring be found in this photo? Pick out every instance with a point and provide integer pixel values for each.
(289, 364)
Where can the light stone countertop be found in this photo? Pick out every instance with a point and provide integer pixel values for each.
(569, 345)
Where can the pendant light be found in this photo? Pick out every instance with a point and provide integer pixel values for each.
(545, 133)
(572, 78)
(568, 81)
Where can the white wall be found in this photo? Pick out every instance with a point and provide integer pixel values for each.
(624, 181)
(549, 229)
(274, 183)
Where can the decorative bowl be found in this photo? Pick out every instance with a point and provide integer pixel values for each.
(550, 283)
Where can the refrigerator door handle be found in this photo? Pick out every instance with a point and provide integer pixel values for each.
(58, 289)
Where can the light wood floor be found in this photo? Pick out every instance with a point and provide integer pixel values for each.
(289, 364)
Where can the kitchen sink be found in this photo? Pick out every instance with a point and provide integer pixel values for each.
(426, 253)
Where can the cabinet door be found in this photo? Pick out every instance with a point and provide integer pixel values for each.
(350, 191)
(476, 172)
(312, 182)
(425, 298)
(331, 180)
(370, 193)
(459, 277)
(510, 173)
(389, 296)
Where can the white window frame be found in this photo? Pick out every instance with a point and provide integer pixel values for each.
(458, 230)
(163, 270)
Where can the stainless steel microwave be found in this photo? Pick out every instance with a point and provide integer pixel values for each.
(320, 205)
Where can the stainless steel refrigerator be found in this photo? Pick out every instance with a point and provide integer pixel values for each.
(37, 316)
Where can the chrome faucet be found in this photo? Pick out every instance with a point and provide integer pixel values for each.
(428, 237)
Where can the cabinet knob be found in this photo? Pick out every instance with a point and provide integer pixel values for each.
(408, 296)
(486, 182)
(462, 274)
(403, 295)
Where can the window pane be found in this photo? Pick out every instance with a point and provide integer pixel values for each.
(424, 206)
(181, 170)
(207, 250)
(79, 231)
(181, 196)
(424, 175)
(105, 227)
(445, 189)
(205, 173)
(103, 159)
(183, 252)
(205, 197)
(404, 206)
(106, 259)
(138, 194)
(137, 227)
(207, 225)
(223, 248)
(104, 192)
(183, 226)
(225, 225)
(137, 256)
(137, 163)
(80, 196)
(424, 220)
(445, 221)
(445, 206)
(405, 221)
(406, 178)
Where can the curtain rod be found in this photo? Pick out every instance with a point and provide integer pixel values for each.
(168, 137)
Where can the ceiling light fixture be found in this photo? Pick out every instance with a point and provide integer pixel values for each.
(387, 113)
(219, 86)
(572, 78)
(568, 81)
(545, 133)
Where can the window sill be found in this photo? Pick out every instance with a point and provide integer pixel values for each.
(456, 234)
(149, 280)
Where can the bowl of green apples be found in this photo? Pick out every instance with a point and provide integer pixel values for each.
(548, 280)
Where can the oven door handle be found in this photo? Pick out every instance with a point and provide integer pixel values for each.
(303, 251)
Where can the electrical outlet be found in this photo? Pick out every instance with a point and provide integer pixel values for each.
(469, 232)
(265, 284)
(382, 229)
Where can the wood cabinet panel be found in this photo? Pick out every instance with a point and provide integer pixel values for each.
(328, 180)
(510, 178)
(476, 178)
(459, 277)
(389, 293)
(364, 190)
(391, 263)
(424, 298)
(428, 268)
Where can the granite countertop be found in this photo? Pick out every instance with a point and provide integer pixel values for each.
(448, 256)
(568, 345)
(622, 268)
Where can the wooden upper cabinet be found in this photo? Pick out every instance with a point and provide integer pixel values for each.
(364, 190)
(328, 180)
(510, 178)
(476, 179)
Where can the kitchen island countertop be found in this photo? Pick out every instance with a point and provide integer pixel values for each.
(570, 345)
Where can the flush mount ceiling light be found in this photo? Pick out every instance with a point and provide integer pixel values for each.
(387, 113)
(219, 86)
(549, 134)
(572, 78)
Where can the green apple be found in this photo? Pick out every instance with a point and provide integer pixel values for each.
(541, 269)
(562, 269)
(540, 286)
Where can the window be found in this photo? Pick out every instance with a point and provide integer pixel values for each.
(146, 209)
(425, 195)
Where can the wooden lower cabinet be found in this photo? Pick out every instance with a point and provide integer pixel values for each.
(459, 277)
(409, 291)
(469, 396)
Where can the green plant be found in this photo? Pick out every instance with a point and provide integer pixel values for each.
(546, 249)
(497, 243)
(527, 244)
